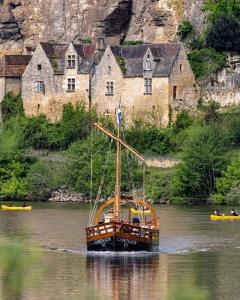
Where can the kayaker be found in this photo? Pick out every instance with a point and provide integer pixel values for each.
(234, 213)
(217, 212)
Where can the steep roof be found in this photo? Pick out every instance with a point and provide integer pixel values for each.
(13, 65)
(56, 55)
(164, 55)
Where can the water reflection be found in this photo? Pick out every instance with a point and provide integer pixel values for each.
(128, 276)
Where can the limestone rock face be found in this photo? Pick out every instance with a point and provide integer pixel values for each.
(23, 23)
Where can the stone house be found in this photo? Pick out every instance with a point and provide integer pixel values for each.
(11, 70)
(153, 81)
(57, 74)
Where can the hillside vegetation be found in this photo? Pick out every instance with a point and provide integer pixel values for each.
(222, 34)
(207, 144)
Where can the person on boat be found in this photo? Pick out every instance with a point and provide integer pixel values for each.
(217, 212)
(24, 204)
(234, 213)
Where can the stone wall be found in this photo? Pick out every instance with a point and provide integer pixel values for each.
(2, 88)
(131, 91)
(50, 103)
(182, 76)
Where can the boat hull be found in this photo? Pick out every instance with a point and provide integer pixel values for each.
(215, 218)
(139, 239)
(16, 208)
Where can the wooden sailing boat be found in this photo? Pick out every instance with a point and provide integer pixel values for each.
(110, 231)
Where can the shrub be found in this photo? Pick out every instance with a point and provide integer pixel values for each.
(206, 61)
(11, 106)
(149, 139)
(43, 178)
(203, 161)
(184, 29)
(184, 120)
(132, 43)
(87, 41)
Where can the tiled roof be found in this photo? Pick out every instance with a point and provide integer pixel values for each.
(13, 65)
(164, 56)
(56, 54)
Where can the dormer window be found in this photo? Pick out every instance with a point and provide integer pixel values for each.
(71, 61)
(148, 66)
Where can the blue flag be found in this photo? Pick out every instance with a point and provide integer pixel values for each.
(119, 114)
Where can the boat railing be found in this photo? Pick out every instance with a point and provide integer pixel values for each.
(124, 228)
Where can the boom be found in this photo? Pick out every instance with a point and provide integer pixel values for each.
(117, 139)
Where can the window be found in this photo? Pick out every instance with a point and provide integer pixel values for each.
(174, 92)
(109, 70)
(109, 88)
(71, 61)
(40, 87)
(148, 66)
(181, 67)
(39, 67)
(148, 86)
(71, 85)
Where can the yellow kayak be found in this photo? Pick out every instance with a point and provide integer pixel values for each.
(140, 211)
(213, 217)
(5, 207)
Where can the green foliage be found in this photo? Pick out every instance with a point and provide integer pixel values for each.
(43, 178)
(184, 120)
(187, 292)
(221, 7)
(158, 184)
(75, 124)
(122, 64)
(78, 160)
(206, 61)
(184, 29)
(149, 139)
(87, 41)
(54, 64)
(16, 261)
(11, 106)
(203, 160)
(227, 186)
(133, 43)
(224, 33)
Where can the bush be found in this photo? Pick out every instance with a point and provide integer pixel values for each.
(132, 43)
(184, 120)
(203, 161)
(228, 184)
(224, 33)
(149, 139)
(206, 61)
(11, 106)
(221, 7)
(184, 29)
(43, 178)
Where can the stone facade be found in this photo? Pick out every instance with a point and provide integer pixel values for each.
(49, 81)
(152, 81)
(11, 70)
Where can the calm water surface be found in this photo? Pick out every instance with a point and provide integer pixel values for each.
(192, 249)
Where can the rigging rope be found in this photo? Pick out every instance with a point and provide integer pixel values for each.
(101, 185)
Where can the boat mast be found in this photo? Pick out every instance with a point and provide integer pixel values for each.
(117, 199)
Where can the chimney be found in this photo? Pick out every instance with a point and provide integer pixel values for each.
(101, 44)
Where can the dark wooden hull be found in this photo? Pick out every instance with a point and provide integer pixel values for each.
(118, 240)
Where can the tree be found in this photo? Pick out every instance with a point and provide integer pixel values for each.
(215, 8)
(203, 161)
(11, 106)
(224, 33)
(206, 61)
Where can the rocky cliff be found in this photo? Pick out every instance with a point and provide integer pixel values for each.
(23, 23)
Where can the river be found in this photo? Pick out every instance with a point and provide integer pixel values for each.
(192, 249)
